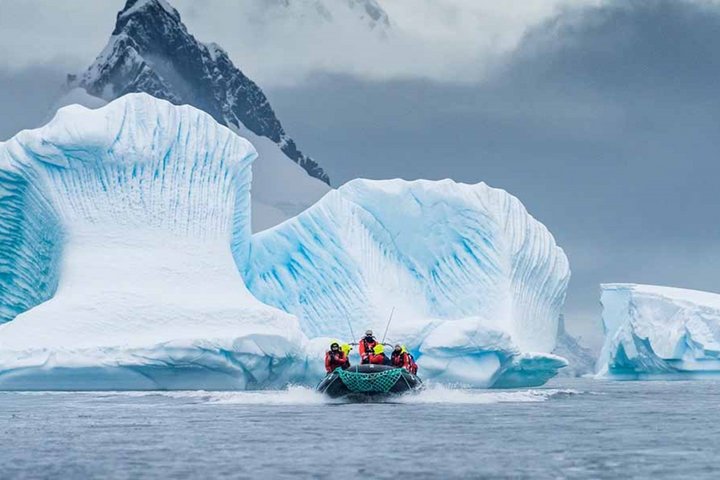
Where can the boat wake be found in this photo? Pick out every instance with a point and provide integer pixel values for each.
(300, 395)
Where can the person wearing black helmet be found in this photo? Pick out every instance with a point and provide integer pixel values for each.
(335, 358)
(366, 345)
(400, 357)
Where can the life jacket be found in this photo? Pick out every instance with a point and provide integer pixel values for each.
(334, 360)
(378, 359)
(365, 348)
(413, 366)
(401, 359)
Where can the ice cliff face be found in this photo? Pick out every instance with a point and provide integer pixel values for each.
(151, 51)
(475, 281)
(656, 331)
(129, 221)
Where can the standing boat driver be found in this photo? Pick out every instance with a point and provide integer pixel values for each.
(366, 346)
(335, 358)
(378, 357)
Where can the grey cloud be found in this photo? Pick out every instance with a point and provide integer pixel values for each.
(26, 97)
(604, 123)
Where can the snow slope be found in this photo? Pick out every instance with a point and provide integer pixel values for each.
(133, 218)
(653, 331)
(151, 51)
(477, 284)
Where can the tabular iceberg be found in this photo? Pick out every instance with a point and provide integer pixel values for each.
(476, 283)
(128, 221)
(659, 332)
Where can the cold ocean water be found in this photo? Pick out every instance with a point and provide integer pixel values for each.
(568, 429)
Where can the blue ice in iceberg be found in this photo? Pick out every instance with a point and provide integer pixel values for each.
(475, 282)
(659, 332)
(122, 227)
(127, 263)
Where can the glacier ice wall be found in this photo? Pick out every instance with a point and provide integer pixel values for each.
(659, 332)
(475, 281)
(133, 217)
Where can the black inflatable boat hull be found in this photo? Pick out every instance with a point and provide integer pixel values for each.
(369, 380)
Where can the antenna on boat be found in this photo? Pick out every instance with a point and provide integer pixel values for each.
(354, 338)
(388, 325)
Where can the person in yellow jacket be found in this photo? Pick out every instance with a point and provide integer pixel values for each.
(378, 356)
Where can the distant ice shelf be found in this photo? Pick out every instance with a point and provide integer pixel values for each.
(127, 262)
(659, 332)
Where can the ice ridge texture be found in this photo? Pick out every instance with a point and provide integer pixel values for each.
(475, 282)
(127, 262)
(129, 223)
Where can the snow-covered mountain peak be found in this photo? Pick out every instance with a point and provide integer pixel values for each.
(134, 6)
(151, 51)
(373, 10)
(368, 12)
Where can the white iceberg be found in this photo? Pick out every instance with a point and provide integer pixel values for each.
(475, 282)
(127, 222)
(280, 187)
(659, 332)
(127, 263)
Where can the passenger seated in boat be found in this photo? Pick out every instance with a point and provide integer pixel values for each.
(335, 358)
(378, 357)
(401, 358)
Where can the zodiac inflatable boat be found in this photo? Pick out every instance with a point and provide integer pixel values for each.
(368, 380)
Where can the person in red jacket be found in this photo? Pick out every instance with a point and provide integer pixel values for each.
(335, 358)
(400, 358)
(378, 356)
(413, 366)
(366, 346)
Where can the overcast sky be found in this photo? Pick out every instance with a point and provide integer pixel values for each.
(602, 117)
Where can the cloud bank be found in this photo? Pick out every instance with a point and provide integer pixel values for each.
(284, 42)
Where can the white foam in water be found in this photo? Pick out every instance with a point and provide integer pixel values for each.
(439, 394)
(298, 395)
(293, 395)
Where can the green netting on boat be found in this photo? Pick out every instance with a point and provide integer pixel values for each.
(370, 382)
